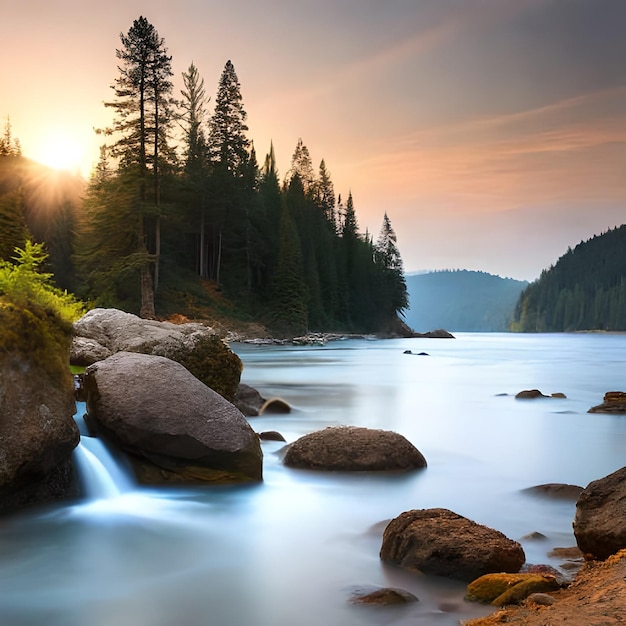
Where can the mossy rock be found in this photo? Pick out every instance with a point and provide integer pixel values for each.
(40, 334)
(501, 589)
(212, 362)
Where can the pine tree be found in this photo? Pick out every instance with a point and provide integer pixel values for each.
(228, 154)
(349, 226)
(325, 194)
(388, 256)
(228, 145)
(144, 113)
(302, 167)
(193, 105)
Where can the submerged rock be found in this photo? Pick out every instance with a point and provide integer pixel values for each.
(382, 596)
(558, 491)
(351, 448)
(530, 394)
(443, 543)
(165, 418)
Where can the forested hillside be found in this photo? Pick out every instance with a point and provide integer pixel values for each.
(584, 290)
(461, 301)
(178, 208)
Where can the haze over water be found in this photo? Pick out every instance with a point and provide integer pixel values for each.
(292, 549)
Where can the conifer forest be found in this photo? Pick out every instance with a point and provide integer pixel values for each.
(180, 207)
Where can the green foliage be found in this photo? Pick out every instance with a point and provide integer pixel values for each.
(289, 309)
(36, 317)
(23, 284)
(584, 290)
(13, 230)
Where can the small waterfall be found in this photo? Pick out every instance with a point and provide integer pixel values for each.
(99, 473)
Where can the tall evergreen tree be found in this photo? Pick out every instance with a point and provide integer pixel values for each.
(302, 167)
(228, 145)
(388, 256)
(193, 104)
(228, 148)
(325, 194)
(143, 108)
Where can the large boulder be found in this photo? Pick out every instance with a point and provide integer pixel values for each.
(165, 418)
(443, 543)
(103, 332)
(351, 448)
(600, 519)
(37, 429)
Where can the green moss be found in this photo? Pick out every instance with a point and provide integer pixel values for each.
(39, 336)
(212, 362)
(501, 589)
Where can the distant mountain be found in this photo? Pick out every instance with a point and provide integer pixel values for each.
(584, 290)
(461, 301)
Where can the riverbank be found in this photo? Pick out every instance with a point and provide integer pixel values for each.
(597, 597)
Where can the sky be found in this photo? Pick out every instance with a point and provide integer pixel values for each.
(492, 132)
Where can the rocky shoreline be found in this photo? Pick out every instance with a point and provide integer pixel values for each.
(141, 372)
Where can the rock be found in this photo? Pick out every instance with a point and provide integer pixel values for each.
(529, 394)
(383, 596)
(248, 400)
(351, 448)
(572, 552)
(558, 491)
(443, 543)
(614, 402)
(440, 333)
(600, 519)
(542, 599)
(275, 405)
(546, 570)
(271, 435)
(595, 598)
(164, 417)
(501, 588)
(534, 536)
(103, 332)
(37, 429)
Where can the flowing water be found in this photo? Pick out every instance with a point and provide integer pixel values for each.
(292, 549)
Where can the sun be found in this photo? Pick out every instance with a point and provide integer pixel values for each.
(61, 151)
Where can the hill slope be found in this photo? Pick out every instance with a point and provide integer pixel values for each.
(461, 301)
(584, 290)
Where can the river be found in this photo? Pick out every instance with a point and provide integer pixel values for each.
(292, 549)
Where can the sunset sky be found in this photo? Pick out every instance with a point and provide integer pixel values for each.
(492, 132)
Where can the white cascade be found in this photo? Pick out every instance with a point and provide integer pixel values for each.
(101, 476)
